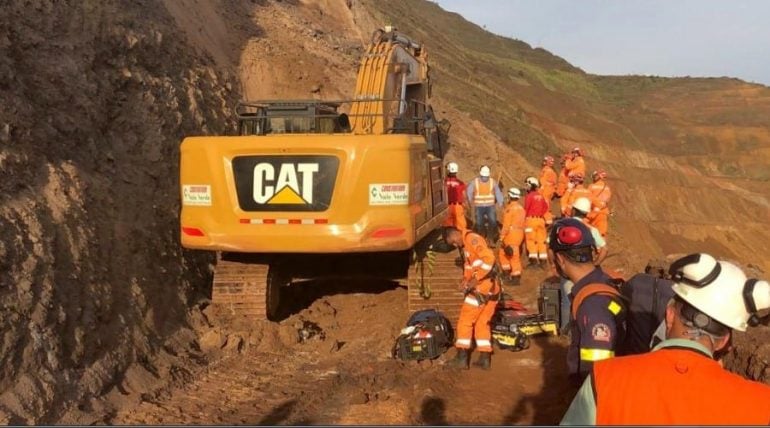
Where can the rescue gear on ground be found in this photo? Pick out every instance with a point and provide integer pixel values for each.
(535, 207)
(480, 299)
(427, 335)
(484, 171)
(512, 324)
(719, 290)
(678, 383)
(452, 168)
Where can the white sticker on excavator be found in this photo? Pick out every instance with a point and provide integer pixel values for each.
(389, 194)
(196, 194)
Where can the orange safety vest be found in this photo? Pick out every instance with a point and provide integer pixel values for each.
(484, 193)
(675, 386)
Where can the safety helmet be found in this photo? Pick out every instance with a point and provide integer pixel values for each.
(484, 171)
(578, 151)
(582, 204)
(548, 160)
(576, 178)
(532, 182)
(452, 168)
(514, 193)
(719, 290)
(568, 234)
(599, 174)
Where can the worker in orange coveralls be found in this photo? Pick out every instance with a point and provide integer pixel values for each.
(481, 291)
(455, 189)
(512, 236)
(535, 207)
(576, 190)
(575, 163)
(562, 182)
(548, 186)
(600, 197)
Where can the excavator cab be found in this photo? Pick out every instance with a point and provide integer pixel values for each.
(290, 117)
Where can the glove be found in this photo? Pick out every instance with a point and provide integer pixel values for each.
(508, 250)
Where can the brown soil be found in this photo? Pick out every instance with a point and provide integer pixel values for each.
(104, 317)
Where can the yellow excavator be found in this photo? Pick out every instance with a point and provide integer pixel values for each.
(313, 189)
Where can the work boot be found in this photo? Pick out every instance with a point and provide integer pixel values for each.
(460, 360)
(484, 361)
(515, 280)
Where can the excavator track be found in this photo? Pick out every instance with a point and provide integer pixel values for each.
(241, 288)
(438, 283)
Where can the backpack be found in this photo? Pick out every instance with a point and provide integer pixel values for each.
(648, 295)
(427, 335)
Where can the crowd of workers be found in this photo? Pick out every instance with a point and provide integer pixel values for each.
(676, 382)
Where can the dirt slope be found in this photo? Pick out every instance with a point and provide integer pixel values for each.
(101, 314)
(96, 295)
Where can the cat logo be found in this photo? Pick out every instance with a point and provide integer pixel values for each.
(293, 185)
(285, 183)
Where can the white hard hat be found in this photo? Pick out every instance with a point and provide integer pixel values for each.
(582, 204)
(514, 193)
(452, 168)
(532, 181)
(720, 290)
(484, 171)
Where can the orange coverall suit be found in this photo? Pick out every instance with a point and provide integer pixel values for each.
(512, 234)
(600, 198)
(563, 182)
(474, 314)
(576, 165)
(547, 189)
(535, 208)
(572, 195)
(455, 190)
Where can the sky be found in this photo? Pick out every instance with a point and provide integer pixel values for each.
(651, 37)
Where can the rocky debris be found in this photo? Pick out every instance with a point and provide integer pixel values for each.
(309, 330)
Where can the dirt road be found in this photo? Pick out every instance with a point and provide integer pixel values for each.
(345, 375)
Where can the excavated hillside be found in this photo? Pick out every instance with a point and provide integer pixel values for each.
(104, 316)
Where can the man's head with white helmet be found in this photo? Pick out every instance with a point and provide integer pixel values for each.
(514, 193)
(712, 298)
(581, 207)
(484, 173)
(452, 168)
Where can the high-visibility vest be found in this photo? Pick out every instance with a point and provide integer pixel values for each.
(484, 193)
(676, 386)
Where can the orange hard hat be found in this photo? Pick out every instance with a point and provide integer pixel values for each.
(548, 160)
(599, 174)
